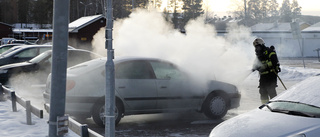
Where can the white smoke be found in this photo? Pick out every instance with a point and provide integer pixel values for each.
(200, 51)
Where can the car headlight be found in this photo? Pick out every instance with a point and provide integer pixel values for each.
(3, 71)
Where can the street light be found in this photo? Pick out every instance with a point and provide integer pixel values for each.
(85, 7)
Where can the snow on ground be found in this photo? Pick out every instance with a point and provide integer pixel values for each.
(13, 124)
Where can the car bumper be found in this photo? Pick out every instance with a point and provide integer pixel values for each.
(73, 107)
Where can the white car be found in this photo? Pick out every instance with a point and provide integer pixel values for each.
(293, 113)
(142, 86)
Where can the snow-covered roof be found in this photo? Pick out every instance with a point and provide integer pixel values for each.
(76, 25)
(31, 26)
(6, 24)
(19, 31)
(314, 27)
(273, 26)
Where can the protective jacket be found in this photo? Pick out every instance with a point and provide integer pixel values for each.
(268, 65)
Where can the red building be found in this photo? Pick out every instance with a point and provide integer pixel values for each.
(5, 30)
(82, 30)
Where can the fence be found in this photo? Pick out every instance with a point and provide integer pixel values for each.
(80, 129)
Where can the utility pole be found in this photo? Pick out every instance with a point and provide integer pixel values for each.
(245, 12)
(110, 77)
(59, 67)
(296, 33)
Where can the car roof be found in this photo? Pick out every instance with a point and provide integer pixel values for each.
(130, 58)
(15, 44)
(306, 92)
(34, 46)
(20, 48)
(98, 62)
(10, 50)
(83, 50)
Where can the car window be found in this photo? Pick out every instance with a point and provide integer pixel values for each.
(3, 49)
(77, 57)
(7, 53)
(41, 50)
(133, 70)
(41, 57)
(164, 70)
(28, 53)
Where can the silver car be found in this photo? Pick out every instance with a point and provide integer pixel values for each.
(293, 113)
(142, 86)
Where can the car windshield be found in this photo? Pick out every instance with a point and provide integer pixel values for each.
(5, 48)
(292, 108)
(10, 50)
(40, 57)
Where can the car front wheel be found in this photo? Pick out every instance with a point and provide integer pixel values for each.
(98, 113)
(215, 106)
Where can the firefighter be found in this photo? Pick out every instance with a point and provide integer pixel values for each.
(268, 66)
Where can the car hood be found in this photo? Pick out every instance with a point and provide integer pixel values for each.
(311, 92)
(15, 65)
(260, 123)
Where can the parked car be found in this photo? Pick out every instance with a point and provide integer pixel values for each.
(6, 40)
(24, 53)
(20, 42)
(6, 47)
(142, 86)
(40, 65)
(293, 113)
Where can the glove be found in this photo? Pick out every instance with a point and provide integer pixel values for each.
(279, 70)
(256, 68)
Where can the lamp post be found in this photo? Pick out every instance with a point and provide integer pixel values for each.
(85, 7)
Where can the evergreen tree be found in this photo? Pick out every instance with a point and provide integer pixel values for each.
(296, 9)
(192, 9)
(43, 12)
(285, 11)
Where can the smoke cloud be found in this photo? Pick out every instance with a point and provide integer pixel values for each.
(200, 51)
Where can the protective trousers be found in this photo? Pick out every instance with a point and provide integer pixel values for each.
(268, 84)
(267, 93)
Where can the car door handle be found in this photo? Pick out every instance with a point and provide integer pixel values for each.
(122, 87)
(163, 87)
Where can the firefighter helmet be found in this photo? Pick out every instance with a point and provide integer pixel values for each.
(258, 41)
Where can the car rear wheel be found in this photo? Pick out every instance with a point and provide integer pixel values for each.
(98, 113)
(215, 106)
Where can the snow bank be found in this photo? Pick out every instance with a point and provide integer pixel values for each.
(297, 73)
(13, 124)
(292, 73)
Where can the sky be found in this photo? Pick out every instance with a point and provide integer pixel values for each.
(309, 7)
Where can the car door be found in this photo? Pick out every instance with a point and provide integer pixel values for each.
(175, 91)
(29, 53)
(25, 55)
(135, 83)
